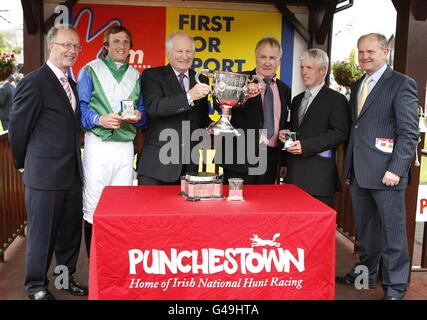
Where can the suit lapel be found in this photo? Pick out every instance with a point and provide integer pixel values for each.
(314, 104)
(192, 75)
(353, 99)
(58, 88)
(285, 106)
(76, 95)
(376, 91)
(296, 104)
(173, 80)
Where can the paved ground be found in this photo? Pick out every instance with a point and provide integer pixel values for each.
(12, 275)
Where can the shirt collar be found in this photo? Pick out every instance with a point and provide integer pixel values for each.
(377, 74)
(178, 73)
(58, 72)
(314, 91)
(262, 77)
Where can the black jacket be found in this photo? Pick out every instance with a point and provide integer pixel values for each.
(326, 125)
(251, 116)
(44, 132)
(167, 107)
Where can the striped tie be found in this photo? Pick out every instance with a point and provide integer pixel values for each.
(181, 77)
(66, 85)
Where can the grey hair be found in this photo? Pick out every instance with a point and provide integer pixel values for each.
(273, 42)
(382, 40)
(319, 57)
(52, 33)
(173, 36)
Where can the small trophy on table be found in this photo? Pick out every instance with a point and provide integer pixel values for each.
(127, 109)
(235, 190)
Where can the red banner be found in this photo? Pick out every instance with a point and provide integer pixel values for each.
(146, 24)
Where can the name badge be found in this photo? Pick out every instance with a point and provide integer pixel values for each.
(384, 144)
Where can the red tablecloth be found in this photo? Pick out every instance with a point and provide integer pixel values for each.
(150, 243)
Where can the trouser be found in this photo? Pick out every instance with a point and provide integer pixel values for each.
(105, 163)
(54, 224)
(87, 227)
(381, 229)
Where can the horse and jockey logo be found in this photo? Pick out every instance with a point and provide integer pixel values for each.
(258, 242)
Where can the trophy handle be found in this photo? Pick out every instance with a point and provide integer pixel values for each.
(205, 72)
(254, 77)
(251, 79)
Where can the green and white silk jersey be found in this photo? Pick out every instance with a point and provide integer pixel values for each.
(110, 87)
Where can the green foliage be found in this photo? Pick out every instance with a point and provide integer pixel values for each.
(7, 41)
(17, 50)
(7, 64)
(347, 72)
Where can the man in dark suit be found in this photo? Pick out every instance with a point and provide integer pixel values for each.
(45, 138)
(266, 113)
(321, 119)
(175, 104)
(382, 144)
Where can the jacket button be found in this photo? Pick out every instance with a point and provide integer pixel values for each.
(356, 126)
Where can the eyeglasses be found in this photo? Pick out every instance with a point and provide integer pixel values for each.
(69, 45)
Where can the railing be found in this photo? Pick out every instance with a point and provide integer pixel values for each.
(12, 209)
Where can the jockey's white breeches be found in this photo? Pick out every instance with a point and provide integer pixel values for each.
(105, 163)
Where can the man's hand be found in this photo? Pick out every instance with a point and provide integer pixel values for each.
(134, 119)
(110, 121)
(254, 89)
(199, 91)
(390, 179)
(282, 135)
(295, 148)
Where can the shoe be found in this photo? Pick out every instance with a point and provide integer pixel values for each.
(76, 289)
(41, 295)
(348, 279)
(391, 298)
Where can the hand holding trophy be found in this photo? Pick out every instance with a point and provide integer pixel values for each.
(230, 90)
(127, 108)
(288, 138)
(128, 111)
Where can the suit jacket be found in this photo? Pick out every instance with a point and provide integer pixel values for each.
(390, 111)
(6, 97)
(325, 126)
(251, 116)
(45, 132)
(167, 107)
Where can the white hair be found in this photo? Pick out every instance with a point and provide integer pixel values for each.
(319, 57)
(173, 35)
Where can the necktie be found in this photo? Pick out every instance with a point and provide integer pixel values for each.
(304, 105)
(363, 95)
(268, 108)
(181, 77)
(66, 85)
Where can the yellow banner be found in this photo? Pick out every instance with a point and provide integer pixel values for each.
(225, 40)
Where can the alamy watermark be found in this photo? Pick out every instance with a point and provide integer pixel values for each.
(62, 278)
(362, 279)
(229, 149)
